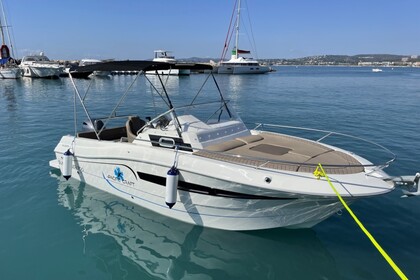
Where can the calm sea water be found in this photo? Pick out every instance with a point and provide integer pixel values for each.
(51, 229)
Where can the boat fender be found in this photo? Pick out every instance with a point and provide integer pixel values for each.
(171, 186)
(67, 164)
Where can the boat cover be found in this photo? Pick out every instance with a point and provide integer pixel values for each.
(138, 65)
(4, 60)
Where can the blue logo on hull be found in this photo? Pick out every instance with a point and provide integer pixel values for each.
(119, 174)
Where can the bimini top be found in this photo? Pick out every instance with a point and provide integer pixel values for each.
(139, 65)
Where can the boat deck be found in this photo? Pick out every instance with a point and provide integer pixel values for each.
(282, 152)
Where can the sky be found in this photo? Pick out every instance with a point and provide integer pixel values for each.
(133, 29)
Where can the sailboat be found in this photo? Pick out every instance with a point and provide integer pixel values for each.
(8, 66)
(239, 64)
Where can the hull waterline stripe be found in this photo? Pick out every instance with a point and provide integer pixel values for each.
(319, 172)
(200, 189)
(184, 211)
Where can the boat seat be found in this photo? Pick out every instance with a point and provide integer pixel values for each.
(133, 125)
(250, 139)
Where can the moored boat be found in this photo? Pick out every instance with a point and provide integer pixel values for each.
(206, 167)
(239, 64)
(8, 66)
(40, 66)
(167, 57)
(90, 61)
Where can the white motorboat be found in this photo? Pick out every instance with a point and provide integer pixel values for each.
(167, 57)
(205, 167)
(239, 64)
(40, 66)
(376, 70)
(8, 66)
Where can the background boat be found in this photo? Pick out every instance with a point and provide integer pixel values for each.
(238, 64)
(166, 56)
(40, 66)
(8, 66)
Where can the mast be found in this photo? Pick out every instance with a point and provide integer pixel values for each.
(237, 28)
(1, 25)
(7, 29)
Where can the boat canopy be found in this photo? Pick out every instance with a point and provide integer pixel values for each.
(139, 65)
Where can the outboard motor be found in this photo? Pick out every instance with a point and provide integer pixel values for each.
(96, 125)
(408, 184)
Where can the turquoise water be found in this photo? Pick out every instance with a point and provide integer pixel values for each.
(51, 229)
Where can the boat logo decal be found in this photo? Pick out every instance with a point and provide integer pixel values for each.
(119, 177)
(118, 174)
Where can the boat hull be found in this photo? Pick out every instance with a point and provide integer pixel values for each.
(210, 193)
(172, 72)
(10, 73)
(239, 69)
(41, 72)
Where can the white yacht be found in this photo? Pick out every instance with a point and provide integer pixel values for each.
(239, 64)
(166, 56)
(202, 165)
(40, 66)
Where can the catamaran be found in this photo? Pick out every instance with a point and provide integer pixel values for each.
(239, 64)
(202, 165)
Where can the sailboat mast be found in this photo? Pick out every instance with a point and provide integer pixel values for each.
(1, 25)
(237, 28)
(7, 29)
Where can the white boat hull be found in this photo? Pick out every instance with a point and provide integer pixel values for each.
(239, 69)
(10, 73)
(213, 194)
(172, 72)
(41, 71)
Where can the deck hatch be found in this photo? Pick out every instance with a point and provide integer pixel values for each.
(271, 149)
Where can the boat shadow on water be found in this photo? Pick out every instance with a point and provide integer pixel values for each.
(164, 248)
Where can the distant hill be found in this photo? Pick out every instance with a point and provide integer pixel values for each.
(352, 60)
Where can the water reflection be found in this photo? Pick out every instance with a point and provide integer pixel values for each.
(9, 95)
(167, 249)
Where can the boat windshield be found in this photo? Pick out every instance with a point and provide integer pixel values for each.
(209, 113)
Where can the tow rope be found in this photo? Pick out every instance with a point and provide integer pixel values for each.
(319, 172)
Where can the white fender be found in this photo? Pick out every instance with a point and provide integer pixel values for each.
(67, 164)
(171, 186)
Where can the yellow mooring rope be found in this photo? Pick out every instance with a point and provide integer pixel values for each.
(319, 172)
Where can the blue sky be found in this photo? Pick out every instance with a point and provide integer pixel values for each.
(132, 29)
